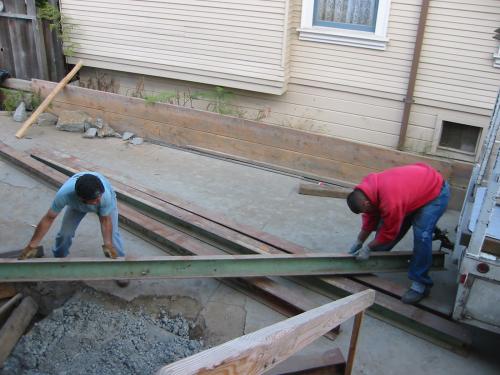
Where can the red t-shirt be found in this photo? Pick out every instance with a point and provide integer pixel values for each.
(397, 192)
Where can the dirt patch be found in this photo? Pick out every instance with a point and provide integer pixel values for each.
(94, 333)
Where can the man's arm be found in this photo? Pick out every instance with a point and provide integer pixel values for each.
(107, 230)
(42, 228)
(363, 235)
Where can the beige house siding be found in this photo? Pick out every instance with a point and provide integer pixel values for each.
(347, 92)
(240, 44)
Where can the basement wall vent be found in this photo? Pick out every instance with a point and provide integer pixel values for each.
(459, 137)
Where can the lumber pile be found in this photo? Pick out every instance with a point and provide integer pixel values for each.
(159, 218)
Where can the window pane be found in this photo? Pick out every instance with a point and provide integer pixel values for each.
(459, 136)
(356, 14)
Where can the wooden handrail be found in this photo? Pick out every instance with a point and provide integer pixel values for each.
(260, 351)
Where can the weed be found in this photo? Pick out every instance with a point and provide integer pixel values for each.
(100, 82)
(162, 97)
(11, 99)
(60, 24)
(219, 101)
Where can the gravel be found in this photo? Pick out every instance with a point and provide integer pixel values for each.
(94, 334)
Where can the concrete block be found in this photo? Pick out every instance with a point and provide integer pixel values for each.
(90, 133)
(47, 119)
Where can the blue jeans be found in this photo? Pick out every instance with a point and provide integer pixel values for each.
(70, 222)
(424, 221)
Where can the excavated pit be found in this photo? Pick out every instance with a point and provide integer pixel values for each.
(92, 333)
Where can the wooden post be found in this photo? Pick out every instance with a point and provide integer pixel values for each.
(354, 342)
(41, 55)
(260, 351)
(21, 132)
(15, 326)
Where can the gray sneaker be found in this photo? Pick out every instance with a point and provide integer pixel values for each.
(411, 297)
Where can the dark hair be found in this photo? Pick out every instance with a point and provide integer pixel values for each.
(355, 200)
(89, 187)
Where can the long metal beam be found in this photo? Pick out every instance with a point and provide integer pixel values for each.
(53, 269)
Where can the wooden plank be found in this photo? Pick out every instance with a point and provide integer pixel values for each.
(397, 290)
(244, 130)
(259, 351)
(15, 326)
(41, 55)
(17, 84)
(330, 362)
(323, 191)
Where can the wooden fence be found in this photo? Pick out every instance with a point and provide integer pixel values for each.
(28, 48)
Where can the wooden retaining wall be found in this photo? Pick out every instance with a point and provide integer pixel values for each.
(310, 154)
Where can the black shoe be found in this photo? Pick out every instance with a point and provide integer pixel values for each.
(411, 297)
(122, 283)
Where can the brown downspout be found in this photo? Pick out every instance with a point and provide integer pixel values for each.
(408, 100)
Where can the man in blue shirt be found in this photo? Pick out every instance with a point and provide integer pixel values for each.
(82, 193)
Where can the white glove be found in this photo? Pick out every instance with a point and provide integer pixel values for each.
(364, 253)
(355, 247)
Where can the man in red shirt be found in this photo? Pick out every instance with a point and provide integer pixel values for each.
(390, 202)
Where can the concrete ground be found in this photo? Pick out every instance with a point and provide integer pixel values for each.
(265, 200)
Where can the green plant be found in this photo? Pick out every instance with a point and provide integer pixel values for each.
(162, 97)
(36, 100)
(60, 24)
(11, 99)
(219, 101)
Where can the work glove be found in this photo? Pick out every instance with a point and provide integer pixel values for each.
(364, 253)
(109, 251)
(28, 252)
(355, 247)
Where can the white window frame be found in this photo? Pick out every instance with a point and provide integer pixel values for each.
(356, 38)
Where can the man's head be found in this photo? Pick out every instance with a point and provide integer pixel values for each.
(358, 202)
(89, 188)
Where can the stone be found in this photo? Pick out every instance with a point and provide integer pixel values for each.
(47, 119)
(103, 128)
(20, 113)
(90, 133)
(136, 141)
(127, 135)
(74, 121)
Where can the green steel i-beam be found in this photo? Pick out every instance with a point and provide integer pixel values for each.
(56, 269)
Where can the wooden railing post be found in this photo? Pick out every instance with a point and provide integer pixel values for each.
(354, 342)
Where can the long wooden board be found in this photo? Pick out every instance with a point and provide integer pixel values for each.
(186, 126)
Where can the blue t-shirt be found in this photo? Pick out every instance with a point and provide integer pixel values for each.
(66, 196)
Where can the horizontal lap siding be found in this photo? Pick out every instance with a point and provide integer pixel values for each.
(456, 67)
(360, 75)
(235, 44)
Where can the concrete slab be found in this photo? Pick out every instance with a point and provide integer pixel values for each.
(265, 200)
